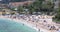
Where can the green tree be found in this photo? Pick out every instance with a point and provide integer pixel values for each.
(38, 6)
(20, 9)
(13, 9)
(48, 7)
(57, 16)
(35, 7)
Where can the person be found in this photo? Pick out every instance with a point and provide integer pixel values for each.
(39, 30)
(52, 27)
(58, 30)
(44, 20)
(36, 25)
(23, 24)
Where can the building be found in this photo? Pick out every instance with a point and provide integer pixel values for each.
(17, 4)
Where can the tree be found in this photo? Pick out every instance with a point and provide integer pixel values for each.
(13, 9)
(38, 6)
(57, 16)
(35, 6)
(20, 9)
(48, 7)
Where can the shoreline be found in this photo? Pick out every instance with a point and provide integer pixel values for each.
(25, 23)
(19, 21)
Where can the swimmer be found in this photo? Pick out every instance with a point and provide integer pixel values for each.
(38, 30)
(23, 24)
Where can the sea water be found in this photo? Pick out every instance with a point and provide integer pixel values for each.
(11, 26)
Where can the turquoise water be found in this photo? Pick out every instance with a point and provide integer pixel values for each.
(11, 26)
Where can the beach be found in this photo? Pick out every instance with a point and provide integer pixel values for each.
(30, 24)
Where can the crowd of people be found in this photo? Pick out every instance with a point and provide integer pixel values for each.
(40, 21)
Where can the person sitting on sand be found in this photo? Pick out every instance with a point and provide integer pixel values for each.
(52, 28)
(44, 20)
(58, 30)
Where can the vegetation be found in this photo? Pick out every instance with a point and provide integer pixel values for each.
(37, 6)
(20, 9)
(12, 13)
(41, 6)
(57, 16)
(13, 9)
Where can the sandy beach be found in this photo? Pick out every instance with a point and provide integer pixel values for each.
(29, 24)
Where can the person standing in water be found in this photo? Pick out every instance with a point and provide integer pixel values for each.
(23, 24)
(38, 30)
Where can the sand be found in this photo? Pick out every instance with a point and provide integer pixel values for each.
(29, 24)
